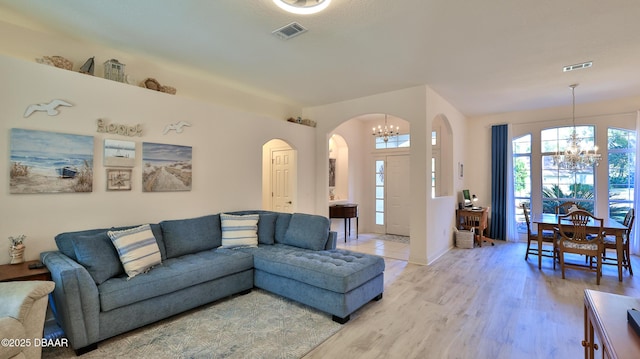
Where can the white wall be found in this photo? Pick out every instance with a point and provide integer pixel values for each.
(441, 213)
(227, 154)
(29, 41)
(417, 105)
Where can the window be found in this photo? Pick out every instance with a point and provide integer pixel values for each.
(561, 185)
(621, 151)
(380, 192)
(435, 162)
(398, 141)
(521, 177)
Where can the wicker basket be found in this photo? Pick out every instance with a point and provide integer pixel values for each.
(464, 239)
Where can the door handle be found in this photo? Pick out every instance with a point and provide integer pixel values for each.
(289, 202)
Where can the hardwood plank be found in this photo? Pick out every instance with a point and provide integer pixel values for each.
(475, 303)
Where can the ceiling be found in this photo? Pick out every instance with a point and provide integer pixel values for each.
(484, 57)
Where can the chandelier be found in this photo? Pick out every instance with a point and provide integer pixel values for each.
(576, 157)
(302, 7)
(386, 132)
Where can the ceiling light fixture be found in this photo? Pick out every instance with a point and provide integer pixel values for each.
(575, 157)
(386, 132)
(302, 7)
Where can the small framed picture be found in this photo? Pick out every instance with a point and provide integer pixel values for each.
(118, 179)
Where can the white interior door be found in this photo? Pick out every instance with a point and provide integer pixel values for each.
(282, 180)
(398, 196)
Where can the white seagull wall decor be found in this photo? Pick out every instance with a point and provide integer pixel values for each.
(49, 107)
(178, 127)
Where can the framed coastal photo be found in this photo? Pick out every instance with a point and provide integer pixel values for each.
(118, 179)
(50, 162)
(165, 168)
(119, 153)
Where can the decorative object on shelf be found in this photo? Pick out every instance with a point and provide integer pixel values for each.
(386, 132)
(114, 70)
(88, 67)
(116, 129)
(16, 249)
(50, 162)
(50, 107)
(118, 179)
(166, 168)
(57, 61)
(302, 7)
(119, 153)
(178, 127)
(301, 121)
(575, 156)
(153, 84)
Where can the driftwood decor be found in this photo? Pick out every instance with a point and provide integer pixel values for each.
(301, 121)
(153, 84)
(117, 129)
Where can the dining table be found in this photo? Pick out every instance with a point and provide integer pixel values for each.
(549, 221)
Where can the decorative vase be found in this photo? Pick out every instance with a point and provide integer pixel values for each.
(17, 253)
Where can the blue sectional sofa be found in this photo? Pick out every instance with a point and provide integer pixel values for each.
(203, 259)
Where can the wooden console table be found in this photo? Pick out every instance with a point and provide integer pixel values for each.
(606, 331)
(346, 211)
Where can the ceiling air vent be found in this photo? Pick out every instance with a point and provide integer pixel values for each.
(583, 65)
(292, 30)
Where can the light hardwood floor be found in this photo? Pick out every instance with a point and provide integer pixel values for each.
(473, 303)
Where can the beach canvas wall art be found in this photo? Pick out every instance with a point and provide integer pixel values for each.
(50, 162)
(166, 168)
(119, 153)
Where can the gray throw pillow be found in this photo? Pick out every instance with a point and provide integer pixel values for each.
(307, 231)
(187, 236)
(96, 253)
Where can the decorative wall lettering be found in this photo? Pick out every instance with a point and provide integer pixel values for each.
(117, 129)
(178, 127)
(49, 107)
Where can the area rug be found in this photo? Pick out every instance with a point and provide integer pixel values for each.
(394, 238)
(256, 325)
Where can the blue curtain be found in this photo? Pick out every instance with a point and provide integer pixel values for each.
(499, 179)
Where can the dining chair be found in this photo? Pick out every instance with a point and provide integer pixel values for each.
(532, 236)
(563, 208)
(573, 237)
(610, 243)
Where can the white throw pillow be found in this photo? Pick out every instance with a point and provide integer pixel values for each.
(239, 231)
(137, 248)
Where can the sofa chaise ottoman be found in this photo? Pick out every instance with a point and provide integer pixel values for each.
(201, 260)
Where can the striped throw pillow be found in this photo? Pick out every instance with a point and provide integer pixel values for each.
(239, 231)
(137, 248)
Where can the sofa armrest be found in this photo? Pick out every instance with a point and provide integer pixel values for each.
(76, 304)
(332, 240)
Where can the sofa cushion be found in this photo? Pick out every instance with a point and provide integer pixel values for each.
(98, 255)
(137, 249)
(307, 231)
(239, 231)
(336, 270)
(187, 236)
(174, 274)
